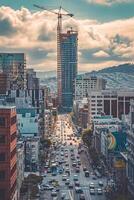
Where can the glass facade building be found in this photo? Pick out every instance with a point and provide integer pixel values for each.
(67, 68)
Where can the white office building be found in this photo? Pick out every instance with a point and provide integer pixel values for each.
(85, 84)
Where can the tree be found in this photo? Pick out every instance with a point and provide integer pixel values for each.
(46, 142)
(87, 136)
(30, 185)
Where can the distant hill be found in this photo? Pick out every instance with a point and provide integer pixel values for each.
(124, 68)
(45, 74)
(121, 76)
(42, 75)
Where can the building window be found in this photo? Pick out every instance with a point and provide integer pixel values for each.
(2, 121)
(13, 120)
(2, 194)
(13, 136)
(92, 100)
(2, 175)
(2, 139)
(2, 157)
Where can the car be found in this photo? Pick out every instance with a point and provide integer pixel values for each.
(82, 197)
(38, 195)
(99, 191)
(91, 185)
(44, 175)
(67, 170)
(43, 187)
(64, 177)
(77, 170)
(75, 177)
(70, 143)
(70, 186)
(74, 164)
(72, 158)
(92, 191)
(79, 151)
(79, 162)
(50, 188)
(67, 164)
(54, 173)
(94, 177)
(77, 183)
(48, 170)
(78, 190)
(54, 193)
(86, 173)
(84, 169)
(72, 150)
(100, 183)
(67, 181)
(60, 162)
(55, 198)
(63, 195)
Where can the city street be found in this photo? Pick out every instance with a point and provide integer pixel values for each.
(65, 175)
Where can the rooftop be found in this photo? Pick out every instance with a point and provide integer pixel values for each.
(7, 107)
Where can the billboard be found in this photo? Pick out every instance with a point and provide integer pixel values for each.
(117, 141)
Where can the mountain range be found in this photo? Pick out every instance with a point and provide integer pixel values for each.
(121, 76)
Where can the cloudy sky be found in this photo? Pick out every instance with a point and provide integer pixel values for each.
(106, 31)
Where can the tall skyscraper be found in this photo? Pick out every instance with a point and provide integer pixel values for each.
(14, 66)
(8, 160)
(66, 67)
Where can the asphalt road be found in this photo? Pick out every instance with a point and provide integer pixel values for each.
(68, 144)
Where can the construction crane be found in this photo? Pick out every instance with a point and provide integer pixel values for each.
(59, 14)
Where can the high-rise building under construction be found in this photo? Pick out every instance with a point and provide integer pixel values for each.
(66, 67)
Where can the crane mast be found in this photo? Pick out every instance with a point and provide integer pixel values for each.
(59, 32)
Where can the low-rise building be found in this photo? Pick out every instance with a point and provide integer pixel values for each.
(80, 109)
(102, 126)
(31, 154)
(109, 141)
(27, 121)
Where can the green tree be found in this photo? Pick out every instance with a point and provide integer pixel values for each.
(46, 142)
(87, 136)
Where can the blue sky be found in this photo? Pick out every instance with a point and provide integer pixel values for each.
(81, 8)
(106, 31)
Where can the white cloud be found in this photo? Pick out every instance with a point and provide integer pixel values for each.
(35, 34)
(109, 2)
(101, 54)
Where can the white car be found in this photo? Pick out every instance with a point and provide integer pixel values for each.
(91, 185)
(99, 191)
(92, 191)
(100, 183)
